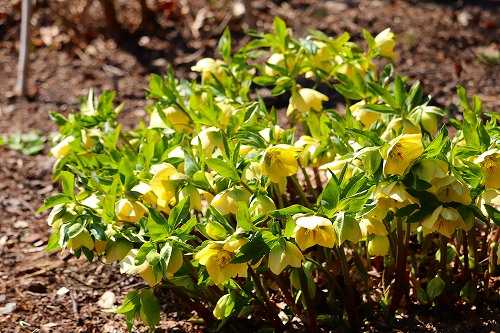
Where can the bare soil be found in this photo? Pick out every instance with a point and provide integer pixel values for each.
(440, 43)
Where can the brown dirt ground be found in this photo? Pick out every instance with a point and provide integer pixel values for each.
(439, 42)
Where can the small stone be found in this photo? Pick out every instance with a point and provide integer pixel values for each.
(7, 308)
(107, 300)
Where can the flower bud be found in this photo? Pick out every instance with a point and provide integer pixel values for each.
(490, 166)
(118, 250)
(364, 115)
(215, 230)
(209, 138)
(261, 205)
(305, 100)
(385, 42)
(129, 211)
(224, 307)
(209, 67)
(284, 256)
(227, 201)
(83, 239)
(378, 246)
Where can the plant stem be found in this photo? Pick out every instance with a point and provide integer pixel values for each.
(298, 187)
(399, 285)
(310, 188)
(269, 308)
(466, 256)
(350, 304)
(317, 178)
(277, 194)
(443, 251)
(311, 313)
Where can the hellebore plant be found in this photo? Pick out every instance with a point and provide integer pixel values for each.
(347, 203)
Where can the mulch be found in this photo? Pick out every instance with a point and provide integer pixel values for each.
(440, 44)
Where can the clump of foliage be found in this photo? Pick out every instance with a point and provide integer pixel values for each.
(296, 185)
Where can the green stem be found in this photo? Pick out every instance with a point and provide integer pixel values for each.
(277, 194)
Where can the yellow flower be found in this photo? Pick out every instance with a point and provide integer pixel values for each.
(144, 270)
(129, 211)
(100, 246)
(322, 59)
(489, 197)
(431, 170)
(261, 205)
(209, 138)
(389, 197)
(164, 182)
(217, 257)
(490, 165)
(403, 151)
(226, 202)
(371, 226)
(378, 246)
(147, 193)
(284, 256)
(279, 162)
(208, 67)
(385, 42)
(277, 131)
(449, 189)
(191, 192)
(309, 147)
(175, 118)
(83, 239)
(444, 220)
(364, 115)
(63, 148)
(312, 230)
(306, 100)
(399, 126)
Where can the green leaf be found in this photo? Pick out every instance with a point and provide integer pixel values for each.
(130, 303)
(224, 46)
(493, 213)
(223, 168)
(291, 210)
(179, 214)
(150, 308)
(330, 195)
(435, 287)
(243, 216)
(157, 226)
(439, 146)
(254, 250)
(54, 200)
(67, 180)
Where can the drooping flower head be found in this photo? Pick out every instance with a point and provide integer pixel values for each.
(279, 162)
(314, 230)
(402, 152)
(217, 257)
